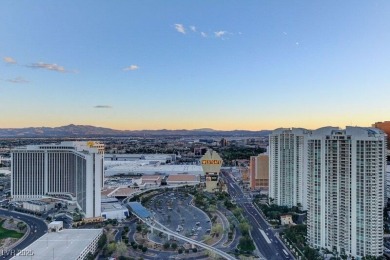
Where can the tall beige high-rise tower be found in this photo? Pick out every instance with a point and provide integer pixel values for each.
(259, 172)
(385, 127)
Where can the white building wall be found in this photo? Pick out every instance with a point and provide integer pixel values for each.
(287, 167)
(346, 170)
(38, 170)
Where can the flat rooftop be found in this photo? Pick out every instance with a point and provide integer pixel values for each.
(151, 177)
(65, 244)
(123, 191)
(182, 178)
(106, 207)
(136, 167)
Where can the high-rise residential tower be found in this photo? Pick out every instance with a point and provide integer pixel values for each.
(346, 175)
(287, 167)
(68, 168)
(258, 172)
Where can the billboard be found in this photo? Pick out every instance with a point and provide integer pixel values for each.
(211, 162)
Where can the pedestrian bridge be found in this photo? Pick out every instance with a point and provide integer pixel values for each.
(154, 225)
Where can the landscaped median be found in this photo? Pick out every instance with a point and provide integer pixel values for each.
(11, 230)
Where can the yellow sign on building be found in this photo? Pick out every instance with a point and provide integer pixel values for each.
(211, 164)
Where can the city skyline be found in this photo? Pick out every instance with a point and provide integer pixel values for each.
(194, 64)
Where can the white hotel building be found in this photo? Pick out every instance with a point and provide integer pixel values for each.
(74, 168)
(287, 166)
(346, 177)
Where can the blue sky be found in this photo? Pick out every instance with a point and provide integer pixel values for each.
(194, 64)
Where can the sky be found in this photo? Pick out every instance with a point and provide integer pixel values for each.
(194, 64)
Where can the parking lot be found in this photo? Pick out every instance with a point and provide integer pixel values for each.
(173, 210)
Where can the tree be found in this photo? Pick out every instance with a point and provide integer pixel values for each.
(121, 249)
(144, 249)
(21, 226)
(89, 256)
(180, 251)
(246, 244)
(237, 212)
(311, 253)
(212, 208)
(174, 246)
(217, 229)
(139, 228)
(194, 250)
(207, 238)
(369, 257)
(102, 241)
(111, 247)
(166, 245)
(244, 228)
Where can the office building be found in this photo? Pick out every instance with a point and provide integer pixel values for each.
(287, 167)
(346, 177)
(258, 172)
(73, 169)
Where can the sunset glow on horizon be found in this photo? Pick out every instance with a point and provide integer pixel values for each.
(251, 65)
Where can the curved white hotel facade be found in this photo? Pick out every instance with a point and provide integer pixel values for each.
(74, 168)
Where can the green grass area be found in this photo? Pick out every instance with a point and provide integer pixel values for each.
(5, 233)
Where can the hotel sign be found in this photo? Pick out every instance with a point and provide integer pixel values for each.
(211, 161)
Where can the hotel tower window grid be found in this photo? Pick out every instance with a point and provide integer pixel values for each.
(345, 190)
(72, 169)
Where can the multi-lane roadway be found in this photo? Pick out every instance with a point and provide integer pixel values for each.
(37, 229)
(263, 236)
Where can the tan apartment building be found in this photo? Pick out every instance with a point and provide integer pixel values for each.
(258, 171)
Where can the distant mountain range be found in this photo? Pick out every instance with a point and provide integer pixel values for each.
(93, 131)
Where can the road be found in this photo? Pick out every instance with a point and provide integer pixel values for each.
(263, 235)
(37, 229)
(156, 225)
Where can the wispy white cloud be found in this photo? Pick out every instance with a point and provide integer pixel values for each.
(9, 60)
(222, 34)
(102, 106)
(219, 34)
(18, 80)
(180, 28)
(131, 67)
(48, 66)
